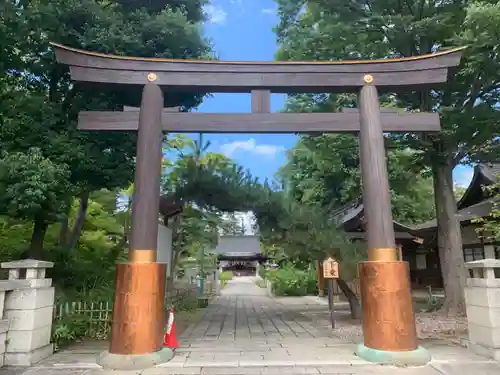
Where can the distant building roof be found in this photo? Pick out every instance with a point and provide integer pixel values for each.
(475, 202)
(239, 246)
(484, 175)
(170, 206)
(351, 216)
(481, 209)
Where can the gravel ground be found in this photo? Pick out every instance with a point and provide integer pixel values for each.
(429, 326)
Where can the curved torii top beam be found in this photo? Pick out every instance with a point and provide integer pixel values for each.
(241, 76)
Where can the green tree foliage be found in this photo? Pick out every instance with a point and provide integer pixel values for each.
(59, 186)
(459, 192)
(325, 170)
(31, 187)
(39, 104)
(85, 272)
(344, 29)
(301, 234)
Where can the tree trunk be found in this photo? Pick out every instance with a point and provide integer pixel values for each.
(80, 220)
(449, 239)
(176, 222)
(63, 232)
(320, 278)
(173, 263)
(352, 298)
(35, 250)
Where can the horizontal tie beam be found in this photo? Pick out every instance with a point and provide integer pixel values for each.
(195, 122)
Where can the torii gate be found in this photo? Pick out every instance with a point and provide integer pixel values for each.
(138, 315)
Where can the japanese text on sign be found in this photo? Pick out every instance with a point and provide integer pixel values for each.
(330, 269)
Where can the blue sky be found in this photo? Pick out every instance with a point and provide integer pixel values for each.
(242, 30)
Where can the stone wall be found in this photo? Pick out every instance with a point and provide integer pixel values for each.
(482, 298)
(26, 305)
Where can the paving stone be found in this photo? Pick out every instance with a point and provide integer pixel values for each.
(295, 370)
(266, 363)
(172, 371)
(230, 371)
(178, 359)
(245, 332)
(46, 371)
(372, 369)
(460, 368)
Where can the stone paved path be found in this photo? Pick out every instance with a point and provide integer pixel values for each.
(244, 332)
(244, 312)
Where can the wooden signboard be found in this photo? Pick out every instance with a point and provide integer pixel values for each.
(331, 272)
(330, 269)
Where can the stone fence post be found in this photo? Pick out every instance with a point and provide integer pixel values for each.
(217, 280)
(482, 299)
(28, 308)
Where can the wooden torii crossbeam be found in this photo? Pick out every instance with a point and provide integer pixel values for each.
(195, 122)
(260, 120)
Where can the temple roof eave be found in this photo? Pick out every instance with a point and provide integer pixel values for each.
(350, 216)
(483, 175)
(465, 215)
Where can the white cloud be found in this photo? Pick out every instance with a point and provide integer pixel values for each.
(215, 14)
(268, 11)
(229, 149)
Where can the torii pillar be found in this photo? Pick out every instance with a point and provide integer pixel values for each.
(138, 319)
(388, 318)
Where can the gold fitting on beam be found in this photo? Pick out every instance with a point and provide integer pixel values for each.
(383, 255)
(152, 77)
(142, 256)
(368, 78)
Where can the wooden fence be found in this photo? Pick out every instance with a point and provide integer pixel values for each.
(95, 317)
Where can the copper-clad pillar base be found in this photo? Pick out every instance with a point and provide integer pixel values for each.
(138, 320)
(388, 317)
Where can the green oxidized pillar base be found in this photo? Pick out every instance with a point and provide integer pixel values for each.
(417, 357)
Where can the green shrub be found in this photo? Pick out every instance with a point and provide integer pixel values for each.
(312, 284)
(226, 276)
(290, 281)
(187, 302)
(69, 329)
(263, 272)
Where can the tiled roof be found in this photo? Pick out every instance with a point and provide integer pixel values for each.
(238, 245)
(354, 209)
(491, 171)
(481, 209)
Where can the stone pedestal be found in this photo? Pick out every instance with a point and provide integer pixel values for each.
(4, 327)
(217, 281)
(482, 299)
(28, 309)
